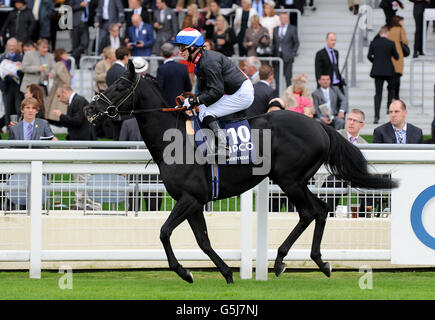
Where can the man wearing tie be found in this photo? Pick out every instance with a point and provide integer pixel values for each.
(398, 130)
(31, 128)
(258, 5)
(354, 123)
(165, 24)
(80, 31)
(140, 37)
(286, 45)
(326, 62)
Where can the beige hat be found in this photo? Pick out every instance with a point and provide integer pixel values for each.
(271, 3)
(140, 64)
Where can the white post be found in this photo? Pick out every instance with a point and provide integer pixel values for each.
(262, 226)
(246, 235)
(35, 219)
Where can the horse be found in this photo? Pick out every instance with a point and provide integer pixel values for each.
(299, 146)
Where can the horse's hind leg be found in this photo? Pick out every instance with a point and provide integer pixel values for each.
(199, 228)
(179, 213)
(321, 216)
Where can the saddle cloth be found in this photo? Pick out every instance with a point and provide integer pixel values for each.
(238, 135)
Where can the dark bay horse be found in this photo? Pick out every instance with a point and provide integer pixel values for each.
(299, 146)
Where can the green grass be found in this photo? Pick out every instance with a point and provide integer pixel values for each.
(166, 285)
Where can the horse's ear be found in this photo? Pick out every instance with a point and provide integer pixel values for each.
(130, 67)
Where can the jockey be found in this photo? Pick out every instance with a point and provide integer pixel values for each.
(223, 88)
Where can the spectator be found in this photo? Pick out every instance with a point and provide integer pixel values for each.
(130, 131)
(252, 69)
(354, 6)
(28, 46)
(108, 12)
(418, 13)
(305, 106)
(270, 20)
(38, 66)
(10, 84)
(255, 36)
(390, 8)
(208, 44)
(63, 77)
(172, 77)
(42, 11)
(80, 31)
(137, 8)
(181, 4)
(118, 68)
(398, 35)
(326, 62)
(258, 5)
(242, 22)
(101, 69)
(31, 127)
(19, 23)
(293, 4)
(398, 130)
(381, 51)
(286, 45)
(37, 92)
(140, 37)
(213, 11)
(112, 39)
(165, 24)
(263, 92)
(74, 120)
(354, 123)
(193, 18)
(224, 37)
(330, 103)
(293, 94)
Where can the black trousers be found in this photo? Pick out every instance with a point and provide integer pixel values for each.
(288, 73)
(418, 13)
(379, 84)
(80, 40)
(396, 86)
(12, 100)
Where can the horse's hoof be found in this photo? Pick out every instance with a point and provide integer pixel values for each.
(279, 268)
(326, 269)
(188, 277)
(229, 278)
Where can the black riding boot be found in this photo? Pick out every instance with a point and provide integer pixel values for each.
(222, 149)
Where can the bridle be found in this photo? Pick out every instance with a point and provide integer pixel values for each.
(112, 110)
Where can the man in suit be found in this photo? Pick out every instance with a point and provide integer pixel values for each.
(286, 45)
(140, 37)
(74, 120)
(31, 128)
(354, 123)
(293, 4)
(326, 62)
(380, 52)
(19, 24)
(112, 39)
(108, 12)
(165, 24)
(172, 76)
(115, 72)
(10, 85)
(398, 130)
(263, 92)
(330, 103)
(137, 8)
(80, 31)
(252, 69)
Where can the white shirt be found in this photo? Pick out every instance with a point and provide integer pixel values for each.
(106, 10)
(168, 60)
(120, 63)
(114, 42)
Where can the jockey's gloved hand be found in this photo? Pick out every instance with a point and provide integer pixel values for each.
(191, 102)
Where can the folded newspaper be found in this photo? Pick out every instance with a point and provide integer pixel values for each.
(6, 67)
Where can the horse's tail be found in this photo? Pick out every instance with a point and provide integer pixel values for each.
(347, 162)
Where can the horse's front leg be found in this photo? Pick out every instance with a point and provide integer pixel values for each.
(179, 213)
